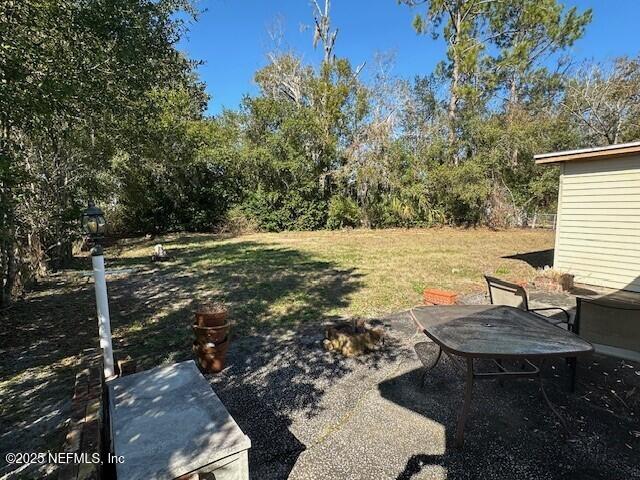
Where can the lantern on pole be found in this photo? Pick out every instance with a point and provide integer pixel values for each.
(94, 223)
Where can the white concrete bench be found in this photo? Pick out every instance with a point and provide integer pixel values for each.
(168, 423)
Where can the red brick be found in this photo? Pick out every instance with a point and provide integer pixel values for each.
(84, 435)
(435, 296)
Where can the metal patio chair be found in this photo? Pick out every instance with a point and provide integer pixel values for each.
(513, 295)
(612, 326)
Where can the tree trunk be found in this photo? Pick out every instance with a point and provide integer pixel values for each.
(513, 103)
(453, 107)
(453, 94)
(323, 30)
(616, 131)
(3, 272)
(10, 271)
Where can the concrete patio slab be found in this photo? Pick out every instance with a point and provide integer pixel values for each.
(314, 415)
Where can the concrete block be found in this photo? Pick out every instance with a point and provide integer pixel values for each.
(167, 422)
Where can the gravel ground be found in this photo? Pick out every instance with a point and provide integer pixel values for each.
(314, 415)
(310, 413)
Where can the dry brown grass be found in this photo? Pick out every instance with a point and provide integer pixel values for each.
(392, 267)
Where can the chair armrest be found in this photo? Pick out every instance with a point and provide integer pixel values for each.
(566, 314)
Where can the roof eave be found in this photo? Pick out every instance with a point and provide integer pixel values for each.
(599, 153)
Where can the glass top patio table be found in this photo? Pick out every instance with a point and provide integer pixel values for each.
(496, 331)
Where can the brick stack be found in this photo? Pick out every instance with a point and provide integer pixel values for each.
(84, 439)
(434, 296)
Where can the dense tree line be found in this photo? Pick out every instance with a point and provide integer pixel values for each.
(84, 86)
(96, 101)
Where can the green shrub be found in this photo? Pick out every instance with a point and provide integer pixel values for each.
(343, 212)
(461, 191)
(399, 213)
(238, 222)
(274, 211)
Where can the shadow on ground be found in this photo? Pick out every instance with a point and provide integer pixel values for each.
(511, 433)
(284, 390)
(539, 259)
(305, 409)
(269, 290)
(39, 340)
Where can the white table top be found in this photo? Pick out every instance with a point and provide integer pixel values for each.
(168, 421)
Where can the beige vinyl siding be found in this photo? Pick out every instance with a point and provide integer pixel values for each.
(598, 232)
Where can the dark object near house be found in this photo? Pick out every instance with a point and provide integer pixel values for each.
(611, 325)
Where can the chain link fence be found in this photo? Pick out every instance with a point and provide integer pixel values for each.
(542, 220)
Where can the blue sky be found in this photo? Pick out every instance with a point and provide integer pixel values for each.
(231, 38)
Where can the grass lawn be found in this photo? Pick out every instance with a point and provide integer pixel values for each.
(268, 281)
(283, 278)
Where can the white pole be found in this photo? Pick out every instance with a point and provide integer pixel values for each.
(102, 306)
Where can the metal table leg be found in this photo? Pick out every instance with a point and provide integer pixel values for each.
(427, 358)
(471, 375)
(551, 406)
(467, 404)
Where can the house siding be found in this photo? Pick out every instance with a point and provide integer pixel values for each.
(598, 230)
